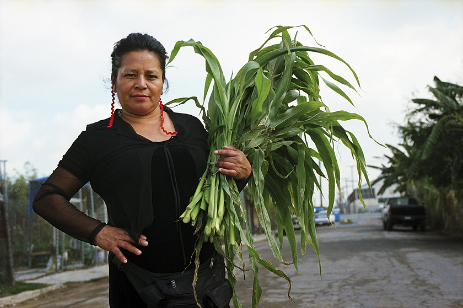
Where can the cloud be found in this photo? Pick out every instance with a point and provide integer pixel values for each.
(14, 127)
(54, 57)
(41, 140)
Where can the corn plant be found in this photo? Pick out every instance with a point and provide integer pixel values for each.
(273, 112)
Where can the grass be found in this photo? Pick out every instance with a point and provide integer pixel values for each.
(454, 235)
(21, 286)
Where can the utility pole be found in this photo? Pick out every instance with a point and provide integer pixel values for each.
(352, 177)
(344, 188)
(6, 268)
(353, 187)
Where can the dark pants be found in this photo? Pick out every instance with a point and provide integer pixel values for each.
(211, 305)
(123, 295)
(121, 292)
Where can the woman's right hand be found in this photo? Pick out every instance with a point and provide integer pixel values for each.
(113, 239)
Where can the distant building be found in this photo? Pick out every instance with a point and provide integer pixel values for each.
(373, 202)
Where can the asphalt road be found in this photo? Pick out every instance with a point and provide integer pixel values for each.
(365, 266)
(362, 266)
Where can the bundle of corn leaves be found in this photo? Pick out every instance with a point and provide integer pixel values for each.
(272, 111)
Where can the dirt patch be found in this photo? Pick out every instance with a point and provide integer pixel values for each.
(92, 293)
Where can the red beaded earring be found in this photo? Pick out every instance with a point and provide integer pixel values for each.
(111, 120)
(162, 120)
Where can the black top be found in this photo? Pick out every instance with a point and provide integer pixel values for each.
(118, 163)
(171, 242)
(146, 186)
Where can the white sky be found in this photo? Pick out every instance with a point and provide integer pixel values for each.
(55, 58)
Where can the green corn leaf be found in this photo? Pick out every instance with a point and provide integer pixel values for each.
(278, 162)
(336, 89)
(212, 66)
(255, 254)
(256, 287)
(286, 132)
(265, 58)
(281, 88)
(263, 89)
(254, 143)
(272, 110)
(277, 145)
(291, 116)
(291, 96)
(250, 69)
(332, 75)
(250, 135)
(207, 84)
(283, 214)
(329, 162)
(301, 177)
(274, 34)
(262, 214)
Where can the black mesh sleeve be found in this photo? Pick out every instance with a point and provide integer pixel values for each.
(242, 183)
(52, 203)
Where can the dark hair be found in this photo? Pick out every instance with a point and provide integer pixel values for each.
(137, 42)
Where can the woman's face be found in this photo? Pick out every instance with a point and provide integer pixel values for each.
(139, 83)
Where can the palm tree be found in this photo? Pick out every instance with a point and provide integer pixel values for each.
(445, 140)
(396, 172)
(433, 156)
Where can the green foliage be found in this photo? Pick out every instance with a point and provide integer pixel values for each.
(19, 221)
(396, 172)
(272, 111)
(18, 189)
(21, 286)
(432, 163)
(435, 130)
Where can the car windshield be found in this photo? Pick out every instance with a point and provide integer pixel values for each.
(402, 201)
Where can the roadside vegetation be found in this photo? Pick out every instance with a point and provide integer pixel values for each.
(18, 197)
(428, 163)
(21, 286)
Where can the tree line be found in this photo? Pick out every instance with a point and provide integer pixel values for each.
(17, 196)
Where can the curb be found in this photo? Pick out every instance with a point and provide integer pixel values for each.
(26, 295)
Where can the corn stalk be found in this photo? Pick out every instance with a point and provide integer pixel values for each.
(272, 111)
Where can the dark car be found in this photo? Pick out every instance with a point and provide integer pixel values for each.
(296, 224)
(405, 211)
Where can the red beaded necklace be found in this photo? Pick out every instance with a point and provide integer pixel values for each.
(162, 120)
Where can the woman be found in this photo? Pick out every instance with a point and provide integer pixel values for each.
(145, 162)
